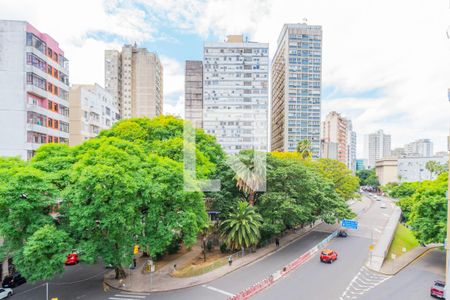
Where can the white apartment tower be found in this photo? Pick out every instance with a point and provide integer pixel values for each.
(34, 90)
(92, 109)
(351, 146)
(235, 93)
(419, 148)
(377, 146)
(134, 77)
(296, 88)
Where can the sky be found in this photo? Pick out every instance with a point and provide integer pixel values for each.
(386, 64)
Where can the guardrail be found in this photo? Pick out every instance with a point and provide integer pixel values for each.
(265, 283)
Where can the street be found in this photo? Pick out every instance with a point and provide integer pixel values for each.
(313, 280)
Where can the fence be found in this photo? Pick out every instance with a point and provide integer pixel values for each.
(265, 283)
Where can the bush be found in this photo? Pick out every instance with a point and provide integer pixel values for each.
(223, 248)
(209, 245)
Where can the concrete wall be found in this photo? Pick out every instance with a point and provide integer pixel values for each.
(382, 247)
(12, 89)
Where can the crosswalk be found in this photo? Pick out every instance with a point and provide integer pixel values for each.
(364, 281)
(128, 296)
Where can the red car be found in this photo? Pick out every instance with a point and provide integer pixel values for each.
(328, 256)
(437, 290)
(72, 259)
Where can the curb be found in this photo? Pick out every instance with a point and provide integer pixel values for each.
(407, 264)
(212, 279)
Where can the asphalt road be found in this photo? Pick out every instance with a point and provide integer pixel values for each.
(316, 280)
(414, 282)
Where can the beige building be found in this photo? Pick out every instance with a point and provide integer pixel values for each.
(92, 109)
(134, 77)
(193, 92)
(334, 137)
(386, 170)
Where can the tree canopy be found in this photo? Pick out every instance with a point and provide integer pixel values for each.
(424, 206)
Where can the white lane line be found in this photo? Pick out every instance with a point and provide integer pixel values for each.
(115, 298)
(218, 290)
(135, 293)
(377, 230)
(131, 296)
(386, 215)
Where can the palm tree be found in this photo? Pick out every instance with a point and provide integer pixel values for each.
(304, 148)
(250, 172)
(241, 229)
(432, 167)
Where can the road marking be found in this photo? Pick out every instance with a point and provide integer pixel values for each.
(114, 298)
(135, 293)
(128, 296)
(364, 281)
(217, 290)
(386, 215)
(131, 296)
(377, 230)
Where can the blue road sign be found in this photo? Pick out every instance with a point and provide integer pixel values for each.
(350, 224)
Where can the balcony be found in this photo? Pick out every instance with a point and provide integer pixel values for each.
(41, 110)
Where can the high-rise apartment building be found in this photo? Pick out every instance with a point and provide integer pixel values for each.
(134, 77)
(92, 109)
(193, 92)
(334, 137)
(339, 140)
(351, 146)
(34, 90)
(419, 148)
(377, 146)
(296, 88)
(235, 93)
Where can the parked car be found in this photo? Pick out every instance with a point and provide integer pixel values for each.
(342, 233)
(437, 289)
(14, 280)
(328, 256)
(383, 205)
(5, 293)
(72, 259)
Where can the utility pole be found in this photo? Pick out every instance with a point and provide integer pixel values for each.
(46, 290)
(447, 247)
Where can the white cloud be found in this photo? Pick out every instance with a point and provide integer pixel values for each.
(176, 109)
(399, 46)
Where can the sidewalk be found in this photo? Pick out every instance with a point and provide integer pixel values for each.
(161, 280)
(392, 267)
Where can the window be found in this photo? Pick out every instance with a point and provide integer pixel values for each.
(36, 80)
(36, 61)
(35, 42)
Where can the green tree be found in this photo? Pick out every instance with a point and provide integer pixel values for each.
(43, 254)
(250, 172)
(435, 168)
(368, 178)
(25, 203)
(304, 148)
(346, 184)
(101, 203)
(241, 229)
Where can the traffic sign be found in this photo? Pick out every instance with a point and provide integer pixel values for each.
(350, 224)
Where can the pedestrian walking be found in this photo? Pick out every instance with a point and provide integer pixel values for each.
(230, 260)
(277, 242)
(134, 263)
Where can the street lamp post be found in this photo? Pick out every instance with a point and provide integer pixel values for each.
(447, 247)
